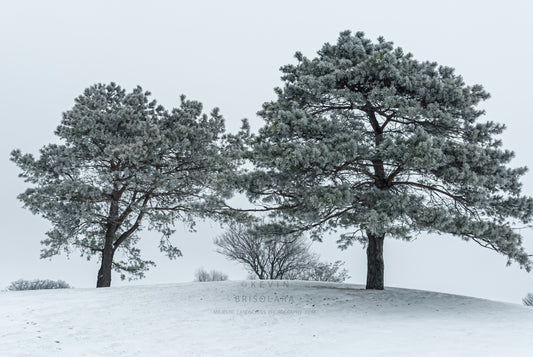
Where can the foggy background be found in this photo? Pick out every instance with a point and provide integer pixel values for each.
(227, 54)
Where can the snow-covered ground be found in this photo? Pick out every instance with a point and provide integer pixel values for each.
(252, 318)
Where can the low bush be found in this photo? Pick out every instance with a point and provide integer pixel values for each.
(320, 271)
(37, 284)
(203, 275)
(528, 300)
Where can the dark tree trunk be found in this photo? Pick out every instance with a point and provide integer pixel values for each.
(375, 266)
(374, 250)
(104, 273)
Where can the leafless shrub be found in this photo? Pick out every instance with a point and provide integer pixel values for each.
(528, 300)
(203, 275)
(37, 284)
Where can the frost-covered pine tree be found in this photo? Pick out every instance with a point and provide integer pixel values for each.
(125, 163)
(366, 138)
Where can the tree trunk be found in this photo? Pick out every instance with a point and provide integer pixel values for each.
(375, 266)
(374, 250)
(104, 273)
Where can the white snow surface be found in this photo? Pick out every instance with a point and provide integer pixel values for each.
(253, 318)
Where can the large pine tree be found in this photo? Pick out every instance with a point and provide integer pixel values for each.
(366, 138)
(124, 163)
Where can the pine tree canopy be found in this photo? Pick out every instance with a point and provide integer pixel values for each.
(367, 139)
(125, 163)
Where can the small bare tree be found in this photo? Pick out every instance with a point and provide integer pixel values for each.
(266, 255)
(280, 256)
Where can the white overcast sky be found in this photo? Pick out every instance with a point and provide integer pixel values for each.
(227, 54)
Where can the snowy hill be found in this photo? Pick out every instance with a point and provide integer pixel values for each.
(269, 318)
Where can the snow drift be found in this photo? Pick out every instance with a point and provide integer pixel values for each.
(259, 318)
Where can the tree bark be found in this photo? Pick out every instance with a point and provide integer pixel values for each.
(374, 250)
(104, 273)
(375, 265)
